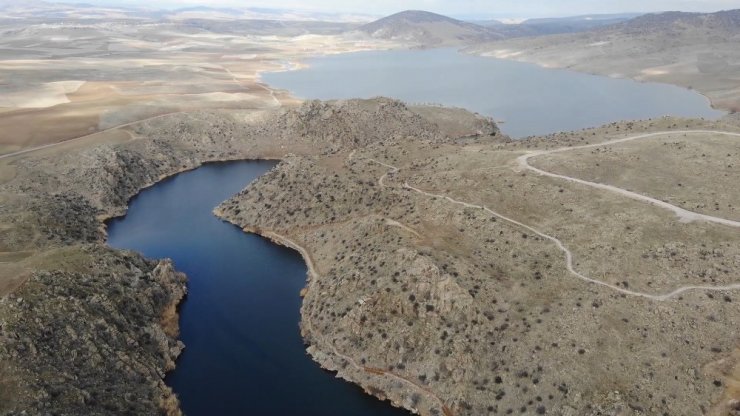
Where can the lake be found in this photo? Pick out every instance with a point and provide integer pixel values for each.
(531, 100)
(244, 354)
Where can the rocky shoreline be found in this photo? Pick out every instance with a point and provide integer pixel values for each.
(445, 309)
(94, 342)
(441, 308)
(93, 330)
(373, 381)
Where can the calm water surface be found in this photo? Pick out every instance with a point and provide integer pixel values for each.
(244, 354)
(531, 100)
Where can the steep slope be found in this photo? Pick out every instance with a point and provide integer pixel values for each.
(89, 330)
(428, 29)
(439, 273)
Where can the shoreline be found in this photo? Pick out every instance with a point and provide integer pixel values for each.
(391, 385)
(170, 319)
(105, 218)
(327, 364)
(127, 179)
(299, 64)
(259, 224)
(467, 50)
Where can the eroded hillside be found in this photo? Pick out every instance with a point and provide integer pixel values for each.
(451, 278)
(87, 329)
(452, 270)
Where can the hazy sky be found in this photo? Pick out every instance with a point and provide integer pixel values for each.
(466, 8)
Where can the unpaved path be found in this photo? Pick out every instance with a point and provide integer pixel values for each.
(569, 254)
(80, 138)
(683, 214)
(275, 103)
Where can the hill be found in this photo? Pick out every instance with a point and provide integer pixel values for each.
(428, 29)
(693, 50)
(678, 22)
(574, 24)
(556, 25)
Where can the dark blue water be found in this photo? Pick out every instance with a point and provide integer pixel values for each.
(531, 100)
(244, 354)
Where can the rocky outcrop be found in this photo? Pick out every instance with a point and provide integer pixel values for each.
(443, 308)
(94, 330)
(91, 340)
(449, 309)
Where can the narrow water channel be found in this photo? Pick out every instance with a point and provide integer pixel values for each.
(244, 354)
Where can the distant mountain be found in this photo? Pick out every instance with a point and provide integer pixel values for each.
(557, 25)
(594, 19)
(727, 21)
(222, 10)
(428, 29)
(577, 23)
(695, 50)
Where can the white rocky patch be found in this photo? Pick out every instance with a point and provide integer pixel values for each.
(43, 96)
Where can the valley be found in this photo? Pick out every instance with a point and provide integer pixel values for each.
(451, 269)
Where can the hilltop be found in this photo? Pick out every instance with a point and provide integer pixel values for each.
(679, 22)
(556, 25)
(428, 29)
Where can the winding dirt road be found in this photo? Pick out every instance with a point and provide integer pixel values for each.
(86, 136)
(569, 254)
(275, 103)
(684, 215)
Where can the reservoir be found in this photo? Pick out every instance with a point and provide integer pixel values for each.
(244, 354)
(531, 100)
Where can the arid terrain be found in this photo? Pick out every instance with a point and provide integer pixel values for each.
(452, 270)
(64, 79)
(426, 29)
(461, 281)
(692, 50)
(489, 284)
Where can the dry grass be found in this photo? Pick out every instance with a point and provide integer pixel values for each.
(690, 171)
(726, 371)
(149, 82)
(170, 321)
(696, 58)
(170, 406)
(8, 388)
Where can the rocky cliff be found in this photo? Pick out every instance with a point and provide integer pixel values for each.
(438, 270)
(85, 329)
(435, 280)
